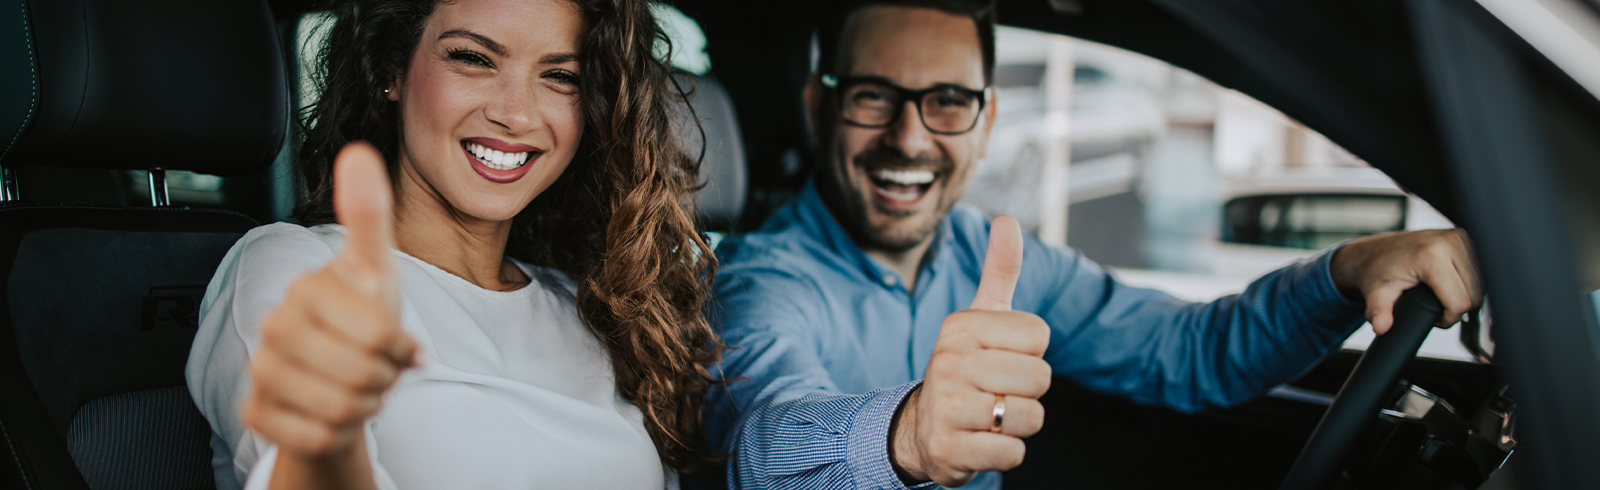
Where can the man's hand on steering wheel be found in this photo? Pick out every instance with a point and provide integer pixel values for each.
(1378, 268)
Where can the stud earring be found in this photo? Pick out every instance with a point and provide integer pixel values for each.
(385, 91)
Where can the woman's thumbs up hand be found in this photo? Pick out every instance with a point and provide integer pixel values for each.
(334, 346)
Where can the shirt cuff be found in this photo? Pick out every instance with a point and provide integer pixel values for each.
(867, 444)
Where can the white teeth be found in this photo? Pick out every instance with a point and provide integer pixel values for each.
(497, 159)
(906, 182)
(905, 177)
(899, 195)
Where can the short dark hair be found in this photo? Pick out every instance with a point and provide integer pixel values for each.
(831, 26)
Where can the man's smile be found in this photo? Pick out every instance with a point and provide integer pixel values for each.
(902, 186)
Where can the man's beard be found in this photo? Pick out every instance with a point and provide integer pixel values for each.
(853, 205)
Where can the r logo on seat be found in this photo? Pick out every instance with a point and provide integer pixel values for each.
(172, 305)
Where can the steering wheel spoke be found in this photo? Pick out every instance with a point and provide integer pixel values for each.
(1356, 407)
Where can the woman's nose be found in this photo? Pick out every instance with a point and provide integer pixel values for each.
(514, 108)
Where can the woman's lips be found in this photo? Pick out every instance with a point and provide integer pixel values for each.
(500, 176)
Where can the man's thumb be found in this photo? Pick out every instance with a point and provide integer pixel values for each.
(363, 201)
(1001, 266)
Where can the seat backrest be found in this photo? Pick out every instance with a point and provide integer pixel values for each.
(101, 302)
(723, 174)
(96, 329)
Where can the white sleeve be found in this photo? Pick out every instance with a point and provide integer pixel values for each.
(252, 280)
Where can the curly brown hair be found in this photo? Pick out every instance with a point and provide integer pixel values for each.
(619, 220)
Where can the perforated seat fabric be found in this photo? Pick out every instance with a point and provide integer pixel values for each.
(144, 437)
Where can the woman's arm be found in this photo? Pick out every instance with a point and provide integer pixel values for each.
(334, 346)
(347, 470)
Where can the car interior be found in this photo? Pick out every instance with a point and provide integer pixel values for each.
(102, 296)
(105, 258)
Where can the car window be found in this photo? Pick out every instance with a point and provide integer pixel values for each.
(688, 40)
(183, 187)
(310, 36)
(1174, 182)
(1311, 221)
(1595, 296)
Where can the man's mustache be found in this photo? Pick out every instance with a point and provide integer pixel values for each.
(881, 157)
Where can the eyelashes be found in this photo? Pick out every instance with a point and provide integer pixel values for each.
(562, 77)
(474, 58)
(468, 56)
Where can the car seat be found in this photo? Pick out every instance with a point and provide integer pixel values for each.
(100, 302)
(723, 175)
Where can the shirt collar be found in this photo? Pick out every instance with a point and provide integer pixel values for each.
(819, 222)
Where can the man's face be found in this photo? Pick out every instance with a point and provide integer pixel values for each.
(891, 186)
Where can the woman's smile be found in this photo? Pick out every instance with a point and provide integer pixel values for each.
(498, 161)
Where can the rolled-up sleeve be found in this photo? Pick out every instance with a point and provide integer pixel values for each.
(1158, 350)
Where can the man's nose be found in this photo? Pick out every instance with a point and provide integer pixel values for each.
(908, 134)
(515, 108)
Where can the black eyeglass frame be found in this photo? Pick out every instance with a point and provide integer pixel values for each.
(838, 84)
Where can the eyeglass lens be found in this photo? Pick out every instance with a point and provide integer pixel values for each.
(945, 111)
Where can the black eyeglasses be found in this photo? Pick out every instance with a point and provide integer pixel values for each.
(873, 102)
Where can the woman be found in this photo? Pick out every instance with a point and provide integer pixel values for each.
(527, 312)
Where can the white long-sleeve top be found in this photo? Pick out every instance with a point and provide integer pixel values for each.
(515, 392)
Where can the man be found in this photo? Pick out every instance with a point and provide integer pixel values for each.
(882, 338)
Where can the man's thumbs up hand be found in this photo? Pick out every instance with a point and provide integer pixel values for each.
(1001, 266)
(980, 395)
(334, 346)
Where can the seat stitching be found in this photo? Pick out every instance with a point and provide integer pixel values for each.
(15, 456)
(33, 73)
(33, 102)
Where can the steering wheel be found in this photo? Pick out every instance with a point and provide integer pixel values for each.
(1364, 392)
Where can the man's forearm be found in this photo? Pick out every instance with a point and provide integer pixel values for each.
(1149, 347)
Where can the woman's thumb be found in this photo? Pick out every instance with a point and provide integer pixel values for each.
(363, 202)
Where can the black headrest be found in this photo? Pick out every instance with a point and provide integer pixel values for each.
(176, 84)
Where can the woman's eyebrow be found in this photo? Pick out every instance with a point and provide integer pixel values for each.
(481, 39)
(558, 58)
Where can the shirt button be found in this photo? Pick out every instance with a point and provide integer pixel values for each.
(889, 280)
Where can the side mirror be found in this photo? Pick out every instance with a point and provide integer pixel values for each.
(1310, 221)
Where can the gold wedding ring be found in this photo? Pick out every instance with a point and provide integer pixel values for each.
(999, 413)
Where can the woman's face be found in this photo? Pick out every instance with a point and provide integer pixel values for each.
(489, 108)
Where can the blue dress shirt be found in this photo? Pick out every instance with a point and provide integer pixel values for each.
(825, 342)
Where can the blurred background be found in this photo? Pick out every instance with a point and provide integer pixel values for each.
(1169, 179)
